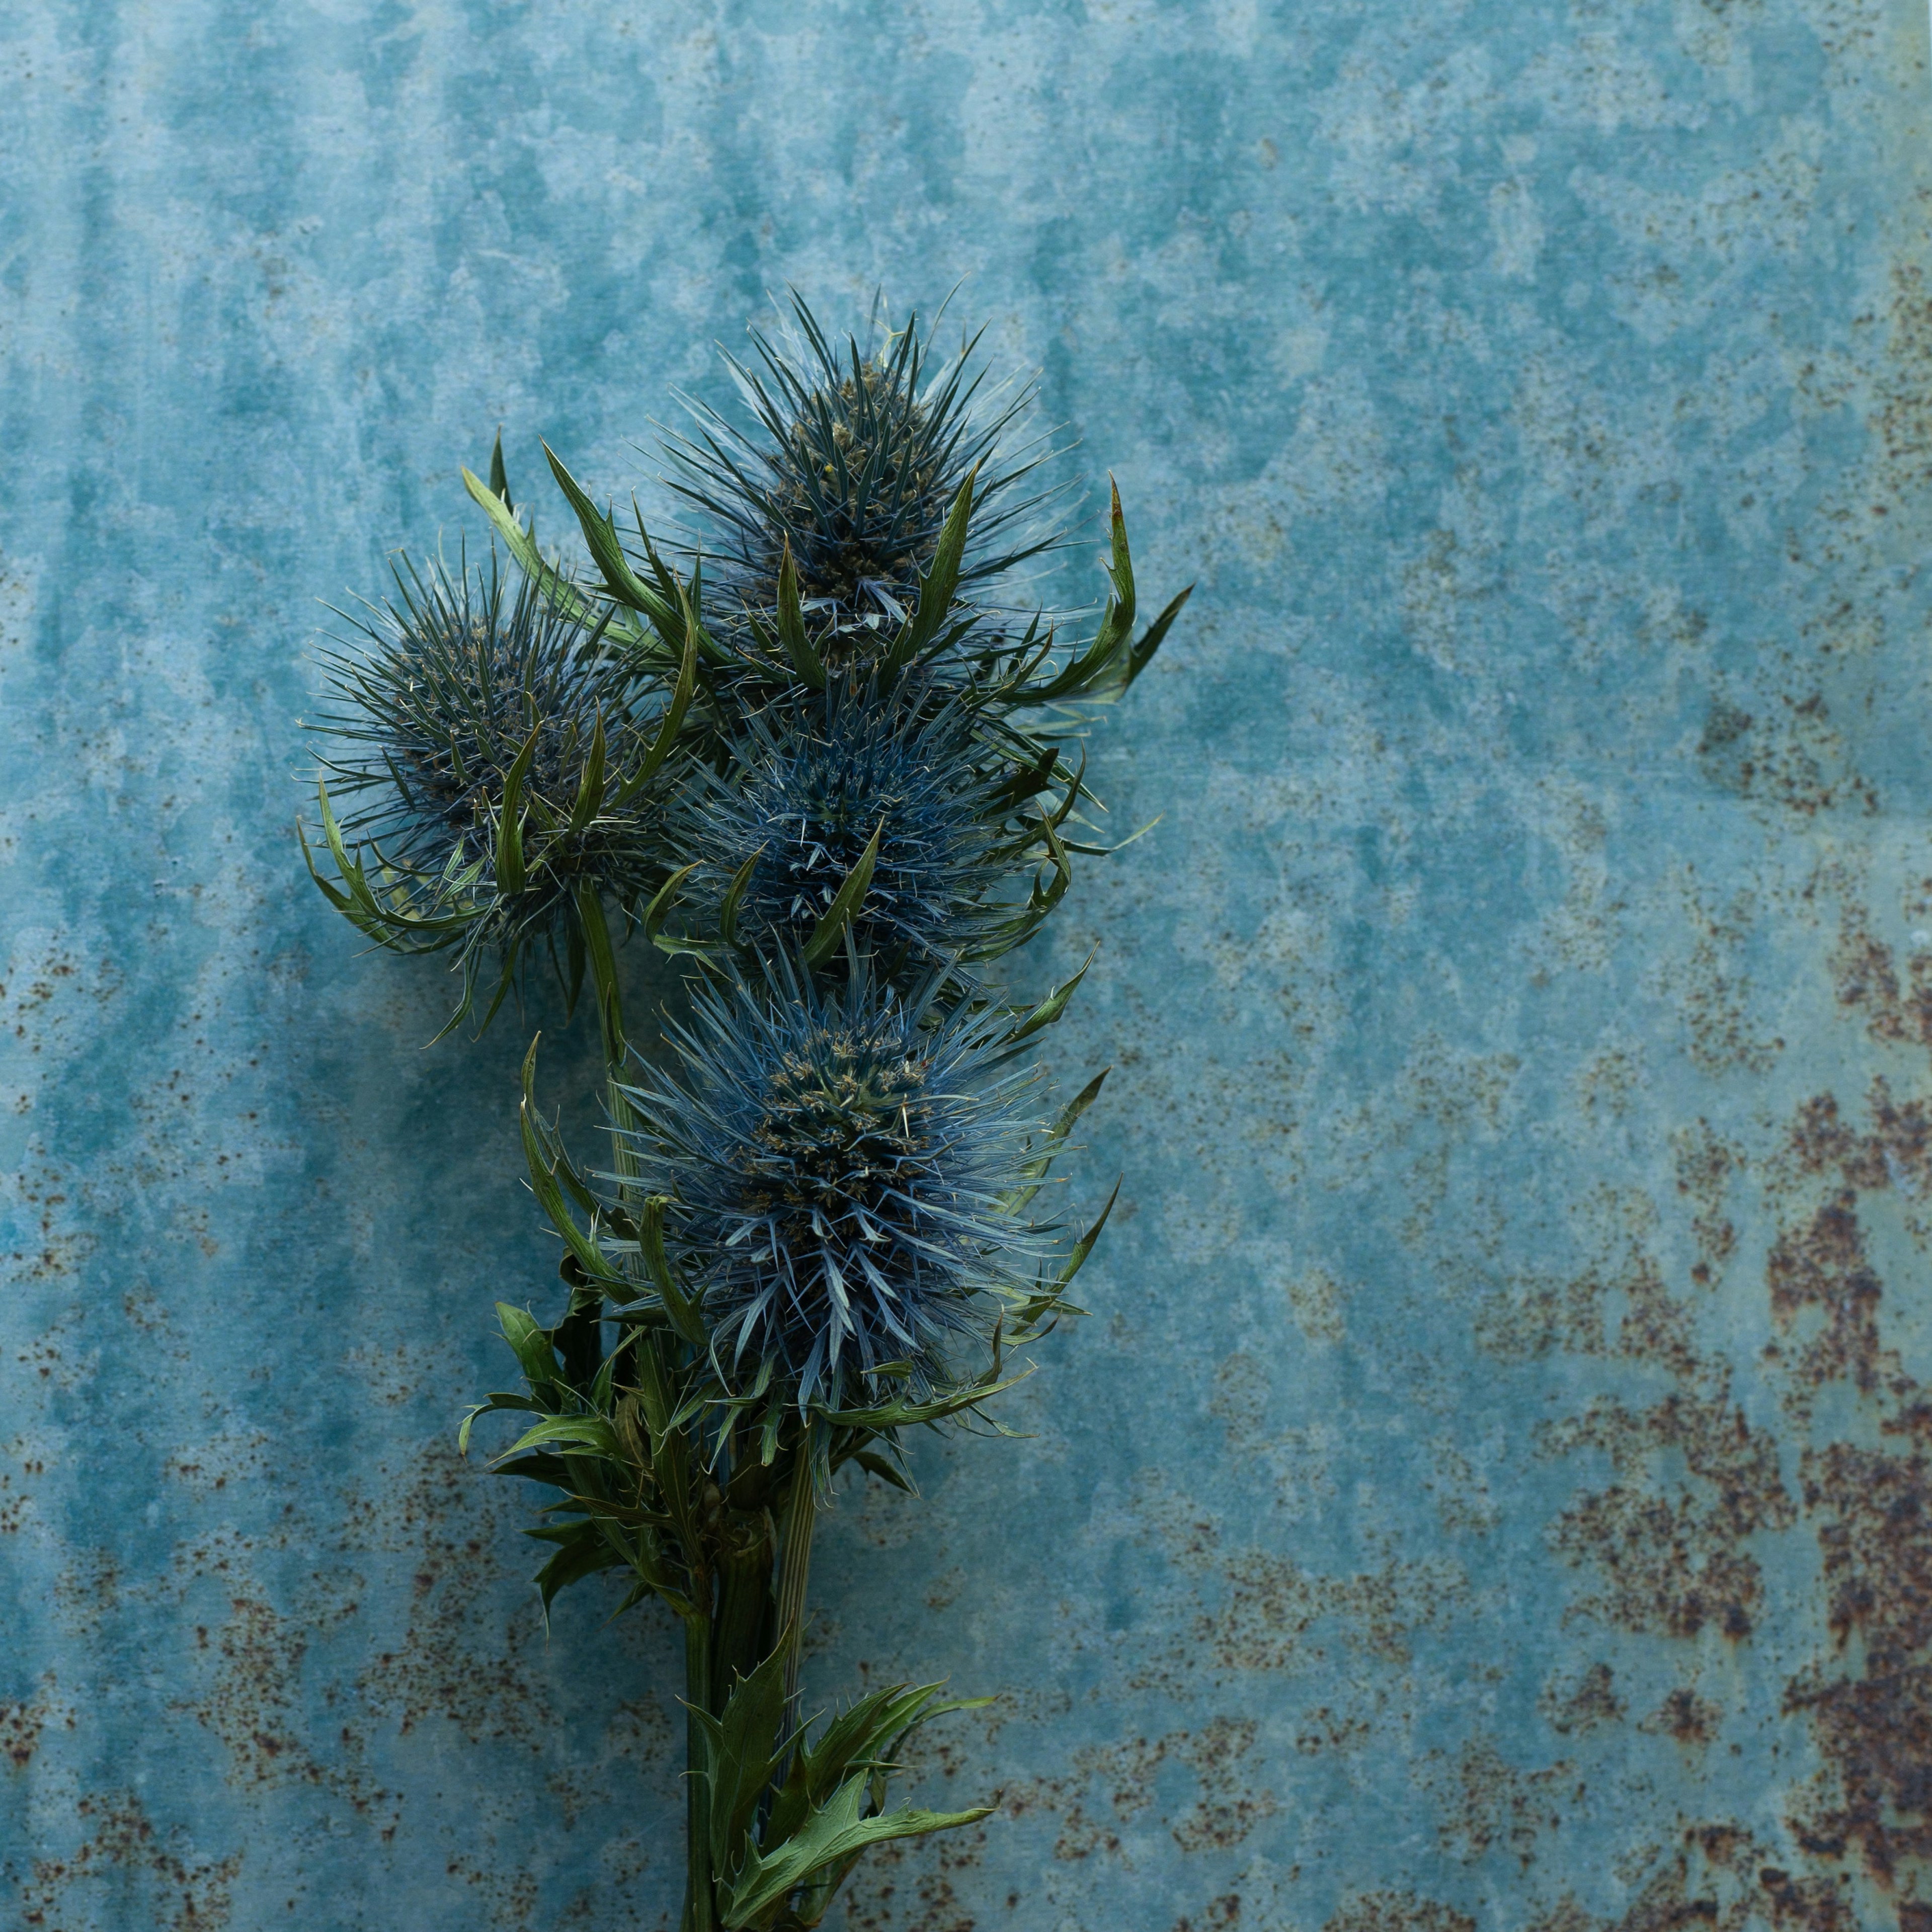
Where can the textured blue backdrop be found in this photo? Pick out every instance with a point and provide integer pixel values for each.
(1494, 1490)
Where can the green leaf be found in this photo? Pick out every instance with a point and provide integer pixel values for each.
(791, 626)
(596, 932)
(682, 1308)
(869, 1731)
(659, 908)
(740, 1748)
(734, 895)
(590, 786)
(511, 877)
(531, 1346)
(826, 934)
(1037, 1169)
(937, 584)
(887, 1471)
(667, 731)
(555, 585)
(1138, 658)
(499, 481)
(593, 1432)
(600, 536)
(1084, 1246)
(587, 1552)
(829, 1835)
(543, 1163)
(1050, 1008)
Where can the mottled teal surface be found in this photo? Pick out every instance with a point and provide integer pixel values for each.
(1492, 1491)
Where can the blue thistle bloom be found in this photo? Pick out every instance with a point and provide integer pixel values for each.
(814, 779)
(861, 457)
(840, 1167)
(463, 697)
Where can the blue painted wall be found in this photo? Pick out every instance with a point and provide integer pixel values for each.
(1493, 1489)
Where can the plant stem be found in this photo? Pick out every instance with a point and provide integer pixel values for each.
(581, 1335)
(698, 1902)
(744, 1597)
(794, 1564)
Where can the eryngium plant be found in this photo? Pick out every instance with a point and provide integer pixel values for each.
(853, 463)
(823, 764)
(822, 788)
(840, 1164)
(497, 775)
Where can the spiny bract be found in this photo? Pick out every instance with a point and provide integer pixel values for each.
(839, 1165)
(861, 457)
(814, 781)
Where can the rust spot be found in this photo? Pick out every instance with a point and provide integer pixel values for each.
(1671, 1566)
(1397, 1911)
(1683, 1715)
(1581, 1706)
(1224, 1911)
(1866, 978)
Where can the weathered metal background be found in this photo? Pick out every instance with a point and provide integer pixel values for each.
(1495, 1490)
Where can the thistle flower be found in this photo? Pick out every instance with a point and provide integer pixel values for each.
(861, 458)
(841, 1168)
(488, 750)
(816, 781)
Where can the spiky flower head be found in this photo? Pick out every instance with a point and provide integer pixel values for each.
(486, 750)
(816, 780)
(862, 454)
(842, 1166)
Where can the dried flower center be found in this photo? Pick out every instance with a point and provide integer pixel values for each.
(843, 1130)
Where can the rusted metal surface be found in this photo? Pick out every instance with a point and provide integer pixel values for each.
(1495, 1489)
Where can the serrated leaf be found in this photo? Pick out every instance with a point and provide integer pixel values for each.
(829, 1835)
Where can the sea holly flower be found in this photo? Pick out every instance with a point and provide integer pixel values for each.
(494, 773)
(825, 785)
(861, 456)
(839, 1165)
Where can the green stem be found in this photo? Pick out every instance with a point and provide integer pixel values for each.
(794, 1566)
(744, 1599)
(699, 1905)
(581, 1335)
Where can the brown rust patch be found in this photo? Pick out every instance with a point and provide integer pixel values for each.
(1671, 1565)
(1228, 1809)
(1874, 1724)
(1691, 1720)
(24, 1720)
(1487, 1803)
(458, 1659)
(1575, 1707)
(1397, 1911)
(908, 1886)
(176, 1888)
(1706, 1164)
(1820, 1270)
